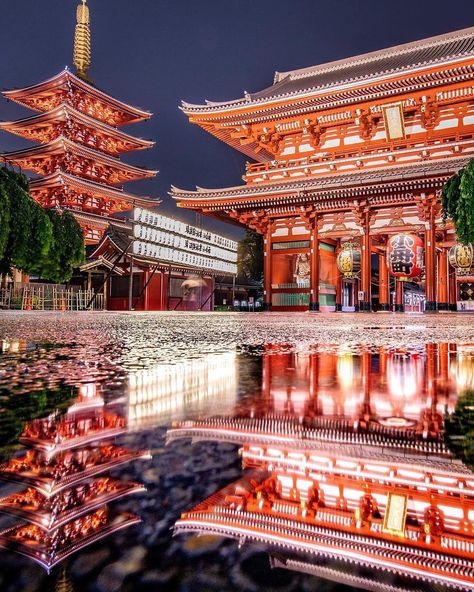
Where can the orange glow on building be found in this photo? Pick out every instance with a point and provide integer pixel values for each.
(355, 150)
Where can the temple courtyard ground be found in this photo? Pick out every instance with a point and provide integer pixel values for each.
(185, 365)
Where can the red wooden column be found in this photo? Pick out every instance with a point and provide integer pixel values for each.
(146, 295)
(339, 289)
(366, 267)
(314, 285)
(399, 298)
(453, 289)
(355, 293)
(443, 303)
(384, 284)
(267, 268)
(430, 262)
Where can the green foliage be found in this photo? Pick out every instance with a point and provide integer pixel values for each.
(33, 240)
(250, 256)
(457, 199)
(4, 219)
(460, 429)
(66, 250)
(16, 409)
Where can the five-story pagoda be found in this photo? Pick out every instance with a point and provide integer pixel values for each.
(78, 158)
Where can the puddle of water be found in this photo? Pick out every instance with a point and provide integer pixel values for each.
(345, 438)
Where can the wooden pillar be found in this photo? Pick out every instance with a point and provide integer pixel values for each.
(146, 295)
(366, 268)
(355, 295)
(314, 286)
(453, 289)
(339, 291)
(443, 303)
(399, 296)
(430, 262)
(267, 269)
(384, 284)
(366, 378)
(130, 285)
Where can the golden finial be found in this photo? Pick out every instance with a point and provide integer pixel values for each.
(82, 41)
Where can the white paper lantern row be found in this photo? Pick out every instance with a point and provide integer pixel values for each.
(172, 255)
(149, 218)
(160, 237)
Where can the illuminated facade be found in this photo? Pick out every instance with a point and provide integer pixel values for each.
(78, 157)
(346, 464)
(350, 151)
(64, 507)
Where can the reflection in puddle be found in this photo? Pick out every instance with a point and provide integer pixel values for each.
(346, 462)
(349, 472)
(64, 507)
(169, 392)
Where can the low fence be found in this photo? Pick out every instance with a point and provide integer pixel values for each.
(48, 297)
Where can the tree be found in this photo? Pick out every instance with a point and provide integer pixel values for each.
(66, 250)
(457, 199)
(250, 256)
(35, 240)
(28, 232)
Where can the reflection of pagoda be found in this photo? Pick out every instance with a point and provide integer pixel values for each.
(64, 507)
(80, 143)
(335, 489)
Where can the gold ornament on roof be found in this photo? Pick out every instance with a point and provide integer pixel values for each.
(82, 41)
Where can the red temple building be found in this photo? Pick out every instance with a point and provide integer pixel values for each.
(64, 506)
(348, 472)
(350, 158)
(77, 127)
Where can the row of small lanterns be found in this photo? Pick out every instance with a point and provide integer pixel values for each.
(405, 257)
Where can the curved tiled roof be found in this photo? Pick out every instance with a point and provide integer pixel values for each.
(377, 64)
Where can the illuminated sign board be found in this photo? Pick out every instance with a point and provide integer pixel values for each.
(171, 241)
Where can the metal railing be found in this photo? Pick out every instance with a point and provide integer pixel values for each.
(48, 297)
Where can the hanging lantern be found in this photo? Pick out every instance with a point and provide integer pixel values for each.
(461, 258)
(405, 256)
(348, 260)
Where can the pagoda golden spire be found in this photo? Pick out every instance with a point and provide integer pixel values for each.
(82, 41)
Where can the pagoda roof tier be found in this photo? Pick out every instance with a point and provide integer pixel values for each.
(85, 97)
(34, 508)
(77, 126)
(29, 541)
(325, 191)
(65, 155)
(71, 432)
(69, 191)
(63, 472)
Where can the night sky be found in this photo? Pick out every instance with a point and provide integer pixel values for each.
(154, 53)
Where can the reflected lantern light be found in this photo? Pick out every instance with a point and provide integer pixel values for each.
(405, 256)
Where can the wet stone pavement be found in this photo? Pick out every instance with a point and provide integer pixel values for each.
(47, 360)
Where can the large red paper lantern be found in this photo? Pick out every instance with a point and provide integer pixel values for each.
(405, 256)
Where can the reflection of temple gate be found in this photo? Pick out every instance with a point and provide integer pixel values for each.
(346, 466)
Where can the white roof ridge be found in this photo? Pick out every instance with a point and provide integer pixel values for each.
(371, 56)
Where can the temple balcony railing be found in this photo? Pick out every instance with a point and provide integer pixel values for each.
(352, 159)
(303, 285)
